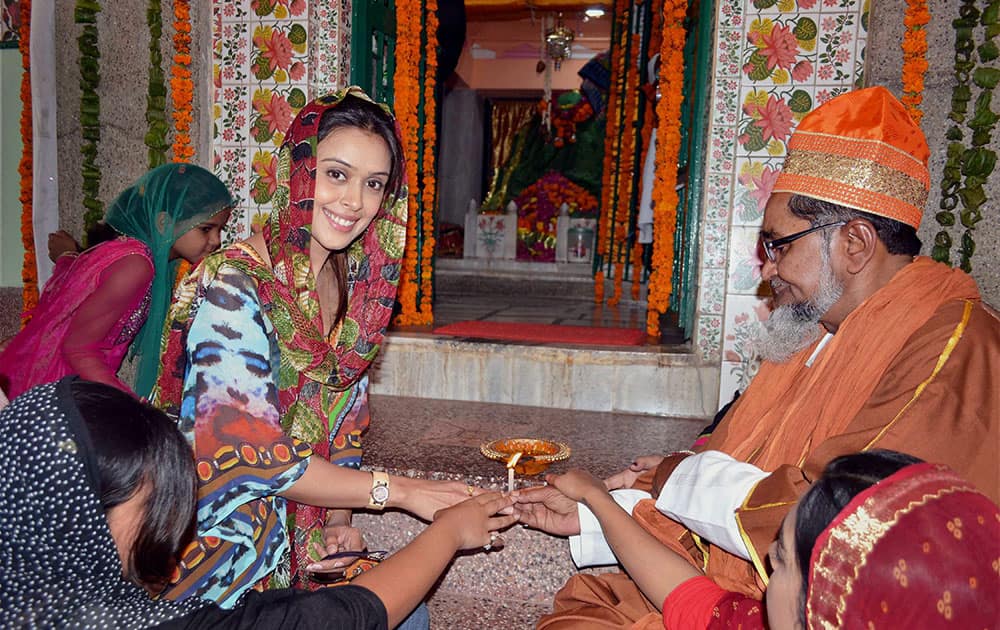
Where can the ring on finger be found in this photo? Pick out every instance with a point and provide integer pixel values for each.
(470, 490)
(493, 539)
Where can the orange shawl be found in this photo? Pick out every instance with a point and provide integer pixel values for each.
(790, 408)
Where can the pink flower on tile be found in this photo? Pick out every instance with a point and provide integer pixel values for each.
(842, 55)
(774, 119)
(228, 72)
(823, 96)
(267, 171)
(277, 49)
(806, 4)
(276, 111)
(829, 24)
(238, 182)
(846, 37)
(802, 70)
(825, 72)
(229, 10)
(763, 185)
(241, 120)
(779, 48)
(227, 134)
(297, 71)
(229, 94)
(296, 7)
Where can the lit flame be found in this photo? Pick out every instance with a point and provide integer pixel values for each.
(513, 459)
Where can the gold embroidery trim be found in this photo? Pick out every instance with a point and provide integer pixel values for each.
(758, 564)
(864, 148)
(852, 540)
(949, 347)
(864, 174)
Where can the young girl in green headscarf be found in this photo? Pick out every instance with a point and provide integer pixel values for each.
(114, 296)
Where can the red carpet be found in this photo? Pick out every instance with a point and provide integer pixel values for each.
(545, 333)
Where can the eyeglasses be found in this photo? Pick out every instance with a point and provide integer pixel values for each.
(772, 248)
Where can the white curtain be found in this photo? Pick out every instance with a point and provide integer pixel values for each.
(45, 183)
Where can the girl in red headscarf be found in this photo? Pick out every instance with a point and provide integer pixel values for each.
(881, 540)
(266, 357)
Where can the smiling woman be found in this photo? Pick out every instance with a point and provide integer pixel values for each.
(266, 361)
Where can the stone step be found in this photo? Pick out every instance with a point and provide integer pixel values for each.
(655, 380)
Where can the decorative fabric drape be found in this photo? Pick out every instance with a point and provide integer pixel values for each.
(506, 120)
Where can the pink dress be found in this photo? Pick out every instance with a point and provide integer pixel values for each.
(86, 317)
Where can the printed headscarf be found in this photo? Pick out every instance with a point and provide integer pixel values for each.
(60, 567)
(159, 208)
(920, 549)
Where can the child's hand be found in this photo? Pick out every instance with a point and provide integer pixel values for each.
(60, 242)
(473, 521)
(577, 484)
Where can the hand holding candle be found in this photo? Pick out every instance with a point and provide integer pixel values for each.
(510, 470)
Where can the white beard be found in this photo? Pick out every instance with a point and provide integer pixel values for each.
(794, 327)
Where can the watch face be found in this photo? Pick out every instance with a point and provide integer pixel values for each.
(380, 494)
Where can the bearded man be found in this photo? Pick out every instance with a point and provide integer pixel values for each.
(868, 346)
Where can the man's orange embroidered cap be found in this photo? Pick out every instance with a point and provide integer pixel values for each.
(860, 150)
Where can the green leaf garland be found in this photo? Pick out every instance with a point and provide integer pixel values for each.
(969, 165)
(85, 13)
(156, 97)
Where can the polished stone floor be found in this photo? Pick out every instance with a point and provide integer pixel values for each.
(564, 310)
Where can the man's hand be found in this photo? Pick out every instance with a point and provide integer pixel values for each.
(547, 509)
(626, 478)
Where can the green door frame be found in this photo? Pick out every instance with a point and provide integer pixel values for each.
(373, 47)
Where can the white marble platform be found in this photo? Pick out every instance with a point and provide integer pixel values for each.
(659, 380)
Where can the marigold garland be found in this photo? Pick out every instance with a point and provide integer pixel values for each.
(429, 175)
(612, 146)
(29, 267)
(668, 144)
(85, 13)
(181, 86)
(406, 102)
(626, 174)
(914, 56)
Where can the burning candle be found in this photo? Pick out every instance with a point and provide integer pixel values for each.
(510, 470)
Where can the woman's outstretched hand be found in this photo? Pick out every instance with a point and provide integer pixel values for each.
(475, 521)
(427, 497)
(547, 509)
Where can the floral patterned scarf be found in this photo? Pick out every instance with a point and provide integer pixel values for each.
(322, 390)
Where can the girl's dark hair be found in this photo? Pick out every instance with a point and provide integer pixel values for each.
(843, 478)
(359, 113)
(137, 447)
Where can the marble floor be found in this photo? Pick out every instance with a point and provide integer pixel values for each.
(564, 310)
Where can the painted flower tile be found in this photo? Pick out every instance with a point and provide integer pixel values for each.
(744, 262)
(792, 56)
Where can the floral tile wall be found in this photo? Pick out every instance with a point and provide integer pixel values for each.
(775, 61)
(270, 57)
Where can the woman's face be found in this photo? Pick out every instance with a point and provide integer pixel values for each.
(352, 170)
(784, 589)
(201, 240)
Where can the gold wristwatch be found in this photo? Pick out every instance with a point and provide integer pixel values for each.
(379, 495)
